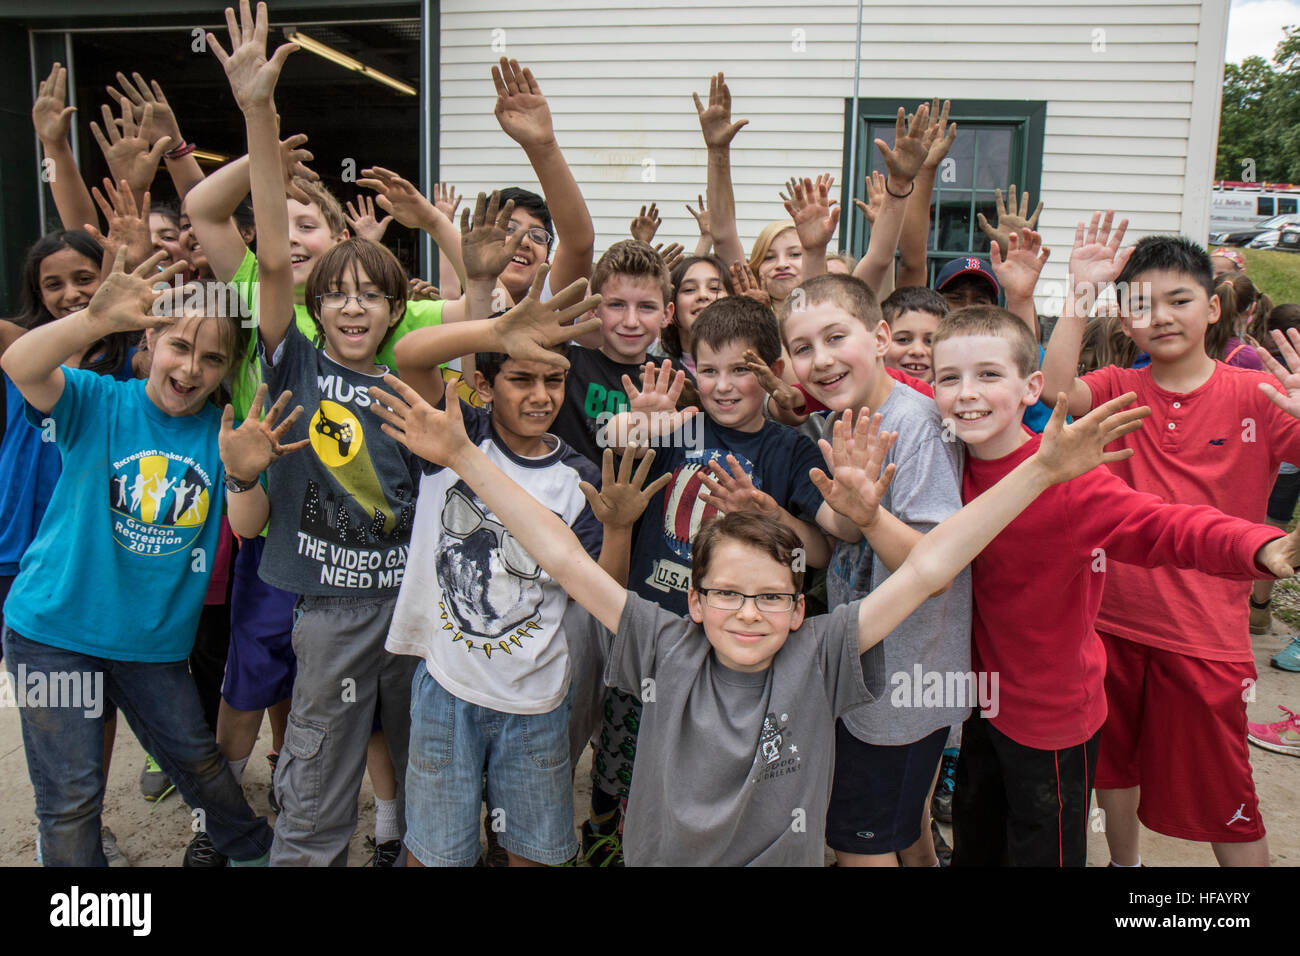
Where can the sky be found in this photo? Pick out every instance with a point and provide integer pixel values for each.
(1255, 27)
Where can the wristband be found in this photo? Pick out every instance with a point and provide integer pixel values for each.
(896, 195)
(184, 149)
(235, 486)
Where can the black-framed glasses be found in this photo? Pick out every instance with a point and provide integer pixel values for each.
(535, 233)
(367, 300)
(771, 602)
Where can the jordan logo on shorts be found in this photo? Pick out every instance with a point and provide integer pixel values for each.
(1239, 815)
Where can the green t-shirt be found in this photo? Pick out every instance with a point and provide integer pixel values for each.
(246, 376)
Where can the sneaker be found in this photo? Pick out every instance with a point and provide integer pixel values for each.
(1282, 737)
(114, 856)
(1288, 659)
(941, 805)
(273, 758)
(153, 782)
(601, 849)
(495, 855)
(383, 854)
(201, 854)
(941, 848)
(1261, 618)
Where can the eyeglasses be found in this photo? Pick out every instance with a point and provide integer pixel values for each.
(367, 300)
(462, 518)
(770, 603)
(535, 233)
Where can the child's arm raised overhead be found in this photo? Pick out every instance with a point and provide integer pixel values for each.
(143, 97)
(1018, 273)
(1287, 397)
(719, 131)
(1095, 262)
(252, 80)
(903, 163)
(127, 151)
(618, 504)
(122, 303)
(439, 437)
(913, 268)
(249, 450)
(53, 121)
(408, 205)
(1066, 452)
(815, 217)
(651, 411)
(522, 112)
(128, 225)
(446, 200)
(701, 217)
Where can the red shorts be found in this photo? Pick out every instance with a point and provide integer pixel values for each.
(1176, 727)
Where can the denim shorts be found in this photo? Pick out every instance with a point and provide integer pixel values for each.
(529, 785)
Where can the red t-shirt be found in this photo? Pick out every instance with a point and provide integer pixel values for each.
(1038, 585)
(812, 405)
(1220, 445)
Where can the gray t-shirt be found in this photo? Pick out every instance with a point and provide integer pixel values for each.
(925, 654)
(732, 768)
(342, 508)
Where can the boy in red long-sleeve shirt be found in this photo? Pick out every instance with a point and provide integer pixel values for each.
(1026, 770)
(1179, 660)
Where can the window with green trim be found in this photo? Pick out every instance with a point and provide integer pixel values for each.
(999, 142)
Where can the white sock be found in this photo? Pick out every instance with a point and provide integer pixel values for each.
(237, 768)
(386, 821)
(1127, 866)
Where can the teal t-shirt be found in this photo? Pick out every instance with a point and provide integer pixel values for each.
(120, 565)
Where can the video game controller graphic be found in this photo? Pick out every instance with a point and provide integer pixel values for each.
(339, 432)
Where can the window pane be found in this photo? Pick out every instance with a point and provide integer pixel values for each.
(957, 169)
(993, 159)
(1285, 205)
(984, 203)
(953, 233)
(1265, 206)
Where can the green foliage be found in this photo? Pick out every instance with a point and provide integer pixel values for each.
(1276, 273)
(1261, 116)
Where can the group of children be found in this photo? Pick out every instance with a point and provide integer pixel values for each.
(463, 581)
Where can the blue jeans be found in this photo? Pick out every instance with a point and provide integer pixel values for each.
(64, 742)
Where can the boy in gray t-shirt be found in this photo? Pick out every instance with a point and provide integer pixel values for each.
(764, 672)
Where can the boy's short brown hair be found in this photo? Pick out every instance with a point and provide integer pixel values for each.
(992, 320)
(852, 295)
(737, 318)
(324, 200)
(635, 259)
(913, 298)
(768, 535)
(380, 266)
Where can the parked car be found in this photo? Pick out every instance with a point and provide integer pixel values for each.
(1246, 237)
(1288, 239)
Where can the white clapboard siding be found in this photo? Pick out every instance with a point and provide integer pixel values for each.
(1133, 126)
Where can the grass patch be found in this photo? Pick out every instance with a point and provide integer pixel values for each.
(1276, 273)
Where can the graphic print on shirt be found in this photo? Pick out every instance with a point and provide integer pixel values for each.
(777, 754)
(159, 501)
(685, 511)
(358, 536)
(491, 587)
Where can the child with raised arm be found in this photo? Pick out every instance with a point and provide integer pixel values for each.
(341, 513)
(1177, 644)
(1028, 759)
(742, 696)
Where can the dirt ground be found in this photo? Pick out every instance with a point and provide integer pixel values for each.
(152, 835)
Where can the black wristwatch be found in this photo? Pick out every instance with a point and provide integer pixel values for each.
(236, 486)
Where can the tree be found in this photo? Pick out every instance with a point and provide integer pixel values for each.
(1260, 120)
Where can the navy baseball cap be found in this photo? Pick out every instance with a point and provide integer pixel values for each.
(967, 266)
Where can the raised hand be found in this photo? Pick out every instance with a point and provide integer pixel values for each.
(855, 456)
(251, 75)
(941, 136)
(621, 499)
(671, 254)
(735, 492)
(1009, 220)
(249, 450)
(1096, 259)
(646, 223)
(293, 162)
(782, 392)
(715, 121)
(910, 147)
(1288, 376)
(399, 197)
(1018, 272)
(814, 213)
(418, 289)
(446, 200)
(364, 222)
(745, 283)
(130, 156)
(530, 330)
(485, 245)
(1068, 451)
(124, 302)
(436, 436)
(521, 108)
(139, 94)
(51, 117)
(128, 224)
(652, 408)
(701, 217)
(875, 196)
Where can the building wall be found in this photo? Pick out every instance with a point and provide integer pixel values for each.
(1132, 90)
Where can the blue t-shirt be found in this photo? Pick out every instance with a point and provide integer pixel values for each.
(121, 562)
(1037, 416)
(777, 459)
